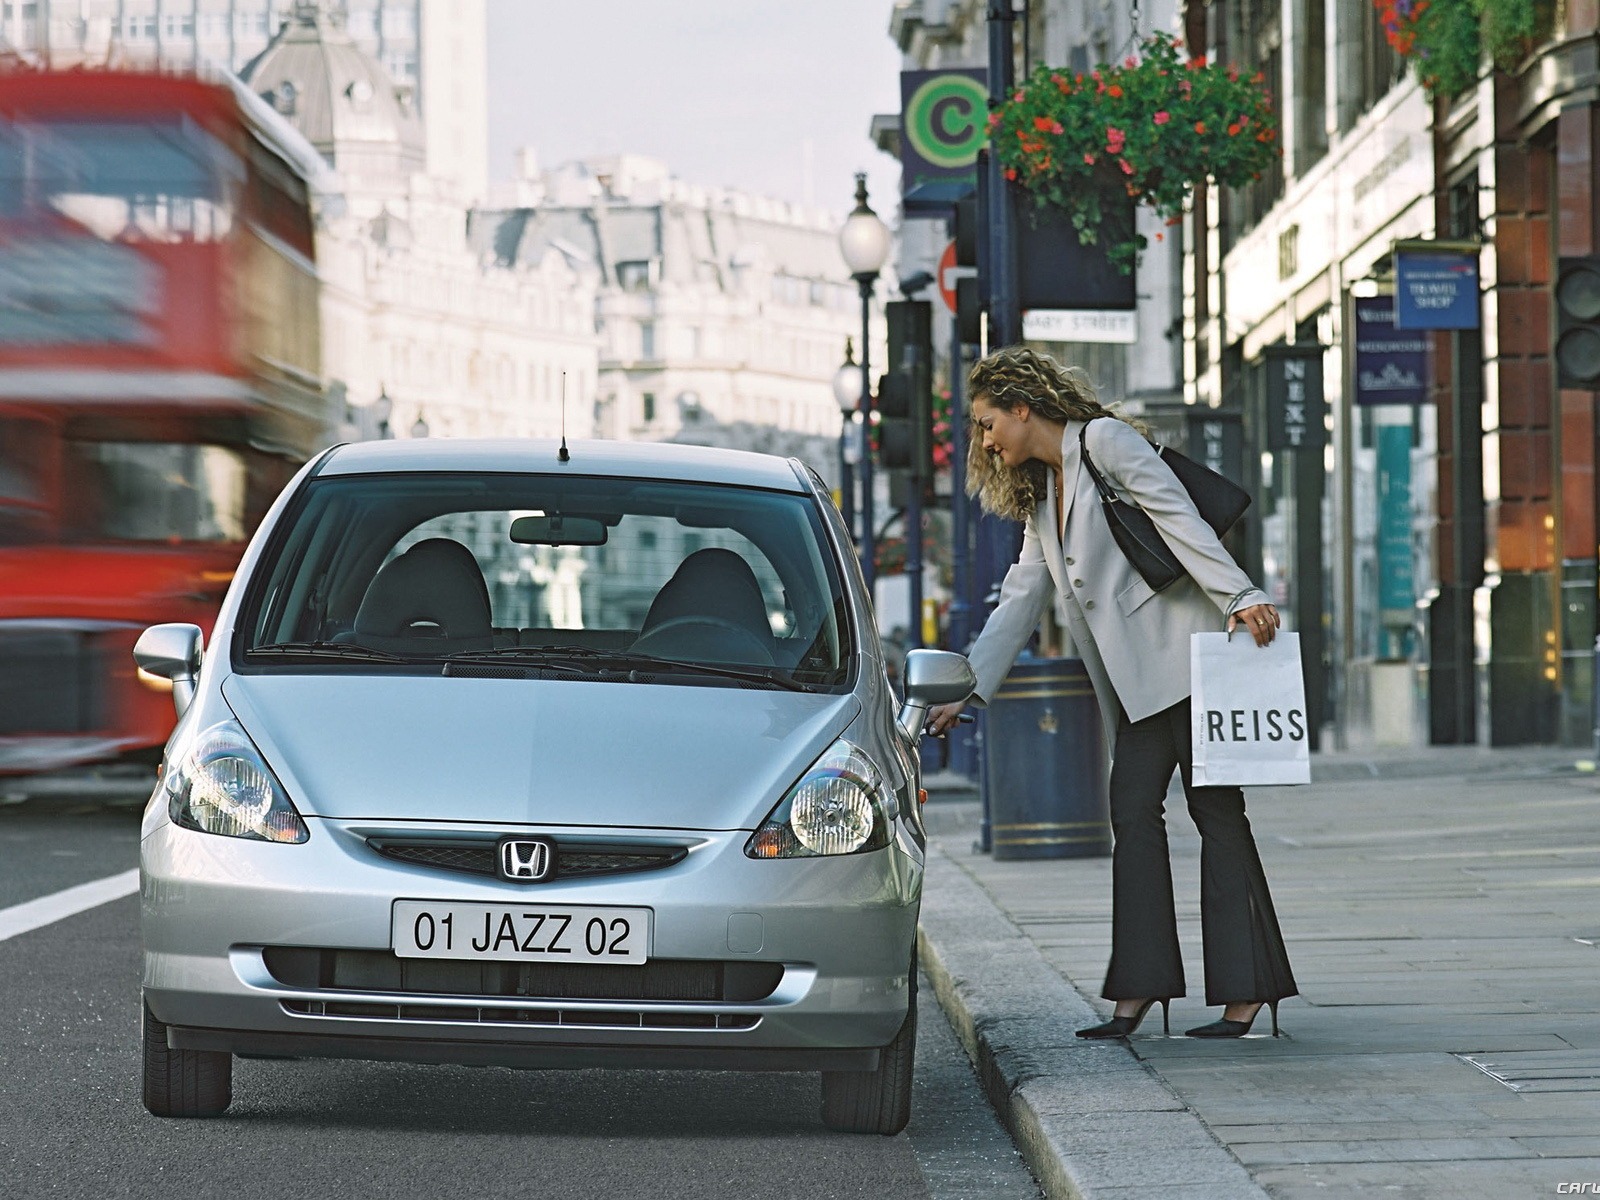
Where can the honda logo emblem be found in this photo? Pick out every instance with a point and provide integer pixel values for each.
(525, 859)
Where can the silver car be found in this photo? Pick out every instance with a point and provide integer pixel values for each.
(508, 755)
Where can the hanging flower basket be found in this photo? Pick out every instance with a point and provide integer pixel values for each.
(1150, 129)
(1444, 40)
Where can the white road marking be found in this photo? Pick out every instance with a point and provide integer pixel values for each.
(46, 910)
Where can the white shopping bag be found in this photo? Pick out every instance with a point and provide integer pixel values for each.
(1249, 710)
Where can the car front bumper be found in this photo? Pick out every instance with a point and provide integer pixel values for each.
(841, 930)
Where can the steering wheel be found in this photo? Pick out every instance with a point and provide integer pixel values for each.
(709, 639)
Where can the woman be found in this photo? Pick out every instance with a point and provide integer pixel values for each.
(1031, 418)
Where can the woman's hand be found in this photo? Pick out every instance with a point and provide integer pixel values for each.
(1260, 619)
(942, 716)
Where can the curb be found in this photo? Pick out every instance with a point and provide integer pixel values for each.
(1090, 1119)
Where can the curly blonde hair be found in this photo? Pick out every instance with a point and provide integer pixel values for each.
(1005, 379)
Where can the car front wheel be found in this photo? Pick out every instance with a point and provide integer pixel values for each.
(876, 1101)
(183, 1083)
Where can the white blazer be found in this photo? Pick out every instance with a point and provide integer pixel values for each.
(1133, 640)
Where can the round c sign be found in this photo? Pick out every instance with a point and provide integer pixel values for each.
(946, 120)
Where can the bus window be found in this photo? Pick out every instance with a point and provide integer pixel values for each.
(164, 181)
(24, 505)
(155, 492)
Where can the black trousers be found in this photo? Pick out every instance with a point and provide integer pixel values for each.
(1244, 953)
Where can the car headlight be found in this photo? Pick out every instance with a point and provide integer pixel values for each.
(840, 806)
(221, 785)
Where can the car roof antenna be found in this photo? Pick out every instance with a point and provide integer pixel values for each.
(562, 455)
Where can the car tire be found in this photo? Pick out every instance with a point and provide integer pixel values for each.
(876, 1101)
(183, 1083)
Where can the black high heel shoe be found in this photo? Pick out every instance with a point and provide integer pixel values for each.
(1122, 1026)
(1232, 1029)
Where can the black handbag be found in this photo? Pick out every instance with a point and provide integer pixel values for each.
(1219, 500)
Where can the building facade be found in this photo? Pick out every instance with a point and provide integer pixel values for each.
(421, 334)
(722, 316)
(1446, 547)
(434, 50)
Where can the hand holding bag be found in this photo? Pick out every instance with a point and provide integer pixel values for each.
(1219, 501)
(1248, 705)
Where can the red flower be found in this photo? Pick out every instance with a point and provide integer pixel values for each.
(1199, 126)
(1160, 237)
(1115, 91)
(994, 121)
(1011, 172)
(1127, 167)
(1115, 140)
(1233, 130)
(1161, 118)
(1089, 158)
(1197, 63)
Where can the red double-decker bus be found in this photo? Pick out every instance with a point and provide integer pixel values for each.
(159, 382)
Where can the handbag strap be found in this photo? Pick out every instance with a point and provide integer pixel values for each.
(1105, 490)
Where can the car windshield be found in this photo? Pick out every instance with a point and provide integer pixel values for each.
(621, 578)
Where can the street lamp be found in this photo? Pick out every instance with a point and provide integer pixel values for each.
(847, 391)
(864, 242)
(419, 427)
(382, 409)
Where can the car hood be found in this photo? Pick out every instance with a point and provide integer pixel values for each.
(534, 751)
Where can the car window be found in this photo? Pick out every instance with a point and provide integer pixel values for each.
(426, 567)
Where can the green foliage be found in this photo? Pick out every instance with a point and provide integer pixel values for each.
(1445, 40)
(1150, 129)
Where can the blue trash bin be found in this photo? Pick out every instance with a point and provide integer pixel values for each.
(1044, 774)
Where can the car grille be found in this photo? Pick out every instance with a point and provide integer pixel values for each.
(52, 680)
(661, 979)
(572, 859)
(547, 1017)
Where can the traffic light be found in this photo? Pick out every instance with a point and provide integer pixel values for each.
(905, 396)
(1578, 322)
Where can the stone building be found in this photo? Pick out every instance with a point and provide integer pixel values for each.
(420, 332)
(722, 316)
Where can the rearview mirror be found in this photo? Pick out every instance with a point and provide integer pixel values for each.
(172, 652)
(557, 530)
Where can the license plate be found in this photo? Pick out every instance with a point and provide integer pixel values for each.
(521, 932)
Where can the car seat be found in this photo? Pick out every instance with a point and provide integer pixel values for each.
(431, 599)
(711, 609)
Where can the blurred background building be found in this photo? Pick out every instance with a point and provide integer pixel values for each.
(722, 316)
(421, 334)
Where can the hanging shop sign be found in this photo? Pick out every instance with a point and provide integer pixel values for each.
(1396, 583)
(1436, 285)
(943, 124)
(1295, 407)
(1391, 363)
(1215, 437)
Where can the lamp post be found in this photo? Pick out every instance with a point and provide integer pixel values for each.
(847, 392)
(864, 243)
(382, 409)
(419, 427)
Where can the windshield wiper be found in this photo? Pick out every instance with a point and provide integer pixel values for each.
(624, 660)
(348, 651)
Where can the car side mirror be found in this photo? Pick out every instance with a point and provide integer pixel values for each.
(172, 652)
(933, 677)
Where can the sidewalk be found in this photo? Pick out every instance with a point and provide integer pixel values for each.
(1442, 911)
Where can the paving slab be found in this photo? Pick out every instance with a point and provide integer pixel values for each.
(1442, 912)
